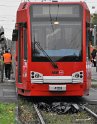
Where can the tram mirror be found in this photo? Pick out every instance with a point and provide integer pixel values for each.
(15, 35)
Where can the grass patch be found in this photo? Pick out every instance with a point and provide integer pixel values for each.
(7, 113)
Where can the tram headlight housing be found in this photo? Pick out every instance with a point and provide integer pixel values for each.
(36, 75)
(78, 76)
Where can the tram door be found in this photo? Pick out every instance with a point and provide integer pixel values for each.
(22, 51)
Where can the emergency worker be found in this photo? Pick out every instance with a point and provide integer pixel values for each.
(7, 58)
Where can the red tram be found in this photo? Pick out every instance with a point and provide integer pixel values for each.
(52, 51)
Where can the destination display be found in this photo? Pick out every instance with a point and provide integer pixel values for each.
(56, 10)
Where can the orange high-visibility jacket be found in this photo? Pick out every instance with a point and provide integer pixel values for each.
(7, 57)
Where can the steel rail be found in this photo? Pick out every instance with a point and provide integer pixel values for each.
(39, 115)
(89, 111)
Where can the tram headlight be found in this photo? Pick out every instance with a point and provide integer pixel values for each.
(77, 75)
(36, 75)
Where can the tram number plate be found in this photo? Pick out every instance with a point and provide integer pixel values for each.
(57, 87)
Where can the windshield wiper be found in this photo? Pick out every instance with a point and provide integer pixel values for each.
(51, 21)
(52, 62)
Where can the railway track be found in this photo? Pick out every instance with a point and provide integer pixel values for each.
(82, 106)
(74, 109)
(59, 112)
(89, 111)
(39, 115)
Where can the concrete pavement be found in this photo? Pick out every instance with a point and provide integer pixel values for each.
(94, 73)
(92, 98)
(8, 91)
(94, 76)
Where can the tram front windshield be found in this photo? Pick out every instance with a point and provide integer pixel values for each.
(58, 30)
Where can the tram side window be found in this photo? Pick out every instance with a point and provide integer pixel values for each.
(25, 44)
(88, 40)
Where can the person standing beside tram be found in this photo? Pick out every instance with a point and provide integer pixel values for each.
(7, 58)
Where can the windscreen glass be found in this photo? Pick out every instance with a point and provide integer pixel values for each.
(58, 30)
